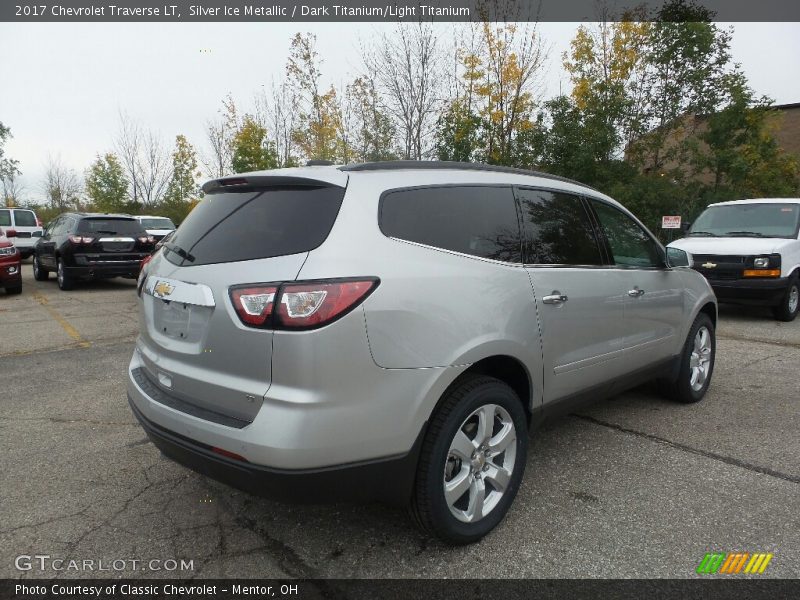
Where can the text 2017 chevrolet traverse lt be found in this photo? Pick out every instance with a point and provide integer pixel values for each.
(391, 330)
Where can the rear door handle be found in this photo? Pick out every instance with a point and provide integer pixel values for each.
(555, 298)
(635, 292)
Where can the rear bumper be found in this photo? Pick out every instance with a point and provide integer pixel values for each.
(389, 480)
(111, 269)
(751, 291)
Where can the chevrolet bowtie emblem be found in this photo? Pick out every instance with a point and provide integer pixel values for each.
(162, 289)
(708, 265)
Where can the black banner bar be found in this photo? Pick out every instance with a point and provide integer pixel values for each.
(141, 11)
(753, 588)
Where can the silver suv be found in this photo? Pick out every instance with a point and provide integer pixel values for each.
(391, 331)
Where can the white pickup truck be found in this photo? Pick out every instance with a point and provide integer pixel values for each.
(749, 250)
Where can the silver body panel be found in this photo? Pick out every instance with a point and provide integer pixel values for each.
(364, 386)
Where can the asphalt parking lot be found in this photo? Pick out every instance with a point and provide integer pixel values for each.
(636, 486)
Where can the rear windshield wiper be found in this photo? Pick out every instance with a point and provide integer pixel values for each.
(708, 233)
(179, 251)
(746, 233)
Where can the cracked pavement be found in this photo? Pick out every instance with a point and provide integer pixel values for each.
(635, 486)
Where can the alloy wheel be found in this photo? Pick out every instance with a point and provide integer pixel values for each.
(700, 360)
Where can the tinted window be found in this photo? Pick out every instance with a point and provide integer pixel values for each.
(631, 245)
(159, 223)
(5, 218)
(558, 229)
(106, 226)
(24, 218)
(230, 227)
(481, 221)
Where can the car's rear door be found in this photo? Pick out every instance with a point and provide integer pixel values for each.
(580, 301)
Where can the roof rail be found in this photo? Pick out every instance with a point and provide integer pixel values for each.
(393, 165)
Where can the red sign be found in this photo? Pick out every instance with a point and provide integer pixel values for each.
(671, 222)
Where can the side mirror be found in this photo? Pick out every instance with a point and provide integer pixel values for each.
(678, 258)
(685, 226)
(11, 233)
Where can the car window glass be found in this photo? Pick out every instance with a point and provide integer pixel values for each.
(631, 246)
(106, 226)
(24, 218)
(476, 220)
(55, 228)
(558, 230)
(5, 218)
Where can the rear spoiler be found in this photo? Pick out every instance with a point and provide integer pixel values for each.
(246, 182)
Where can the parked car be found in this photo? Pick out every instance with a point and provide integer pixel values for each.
(10, 263)
(91, 246)
(27, 225)
(749, 250)
(391, 330)
(158, 227)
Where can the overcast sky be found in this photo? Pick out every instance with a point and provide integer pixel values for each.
(63, 85)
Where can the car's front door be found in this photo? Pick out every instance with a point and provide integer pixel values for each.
(654, 293)
(45, 248)
(579, 299)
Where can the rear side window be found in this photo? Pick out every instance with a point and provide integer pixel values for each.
(557, 229)
(5, 218)
(106, 226)
(235, 226)
(24, 218)
(477, 220)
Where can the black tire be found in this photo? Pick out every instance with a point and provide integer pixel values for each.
(785, 311)
(65, 282)
(429, 508)
(682, 389)
(39, 272)
(14, 289)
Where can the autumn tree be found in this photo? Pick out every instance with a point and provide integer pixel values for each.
(252, 150)
(220, 133)
(146, 164)
(182, 190)
(319, 131)
(106, 184)
(276, 110)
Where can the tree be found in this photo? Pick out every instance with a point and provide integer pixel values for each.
(146, 165)
(106, 184)
(220, 134)
(319, 134)
(252, 150)
(8, 171)
(182, 190)
(61, 185)
(407, 67)
(276, 110)
(371, 129)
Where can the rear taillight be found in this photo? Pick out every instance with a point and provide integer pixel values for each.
(77, 239)
(300, 305)
(254, 304)
(142, 273)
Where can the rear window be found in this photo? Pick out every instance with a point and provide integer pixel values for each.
(24, 218)
(236, 226)
(106, 226)
(5, 218)
(477, 220)
(160, 223)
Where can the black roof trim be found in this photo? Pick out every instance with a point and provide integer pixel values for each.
(237, 183)
(394, 165)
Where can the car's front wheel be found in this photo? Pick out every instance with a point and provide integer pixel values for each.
(697, 362)
(39, 272)
(790, 304)
(472, 461)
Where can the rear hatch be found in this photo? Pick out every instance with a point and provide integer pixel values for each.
(109, 241)
(253, 230)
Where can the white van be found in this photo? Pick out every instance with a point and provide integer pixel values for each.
(27, 225)
(158, 227)
(749, 250)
